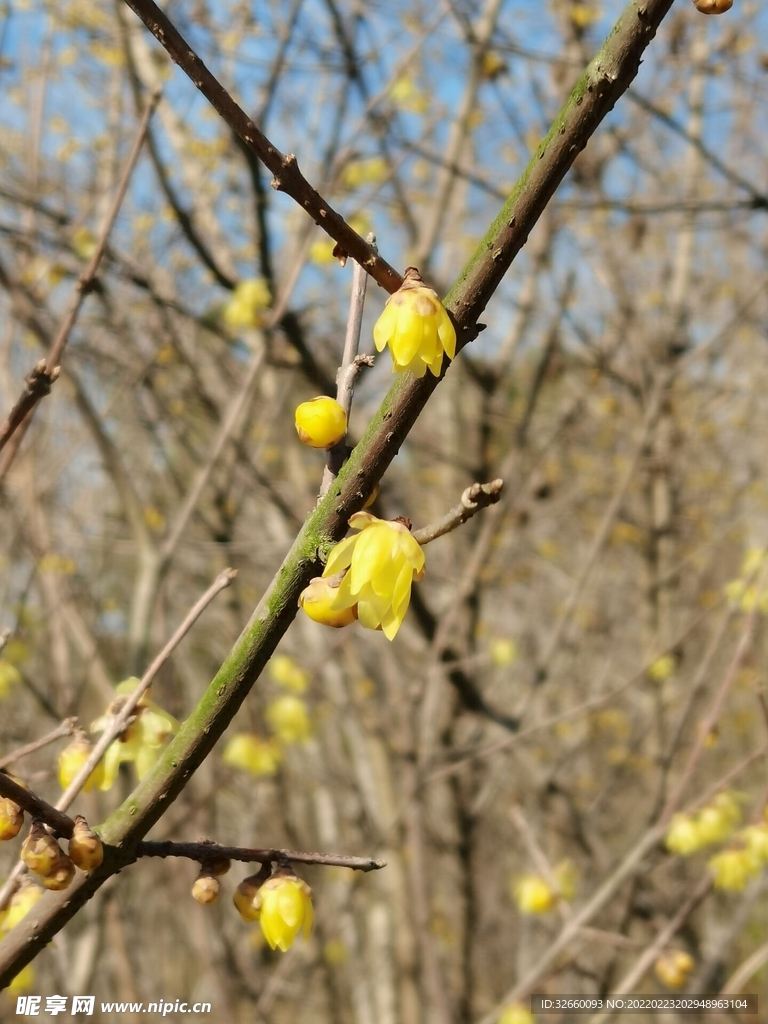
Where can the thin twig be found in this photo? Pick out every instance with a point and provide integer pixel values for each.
(351, 365)
(39, 382)
(122, 718)
(474, 498)
(203, 851)
(65, 728)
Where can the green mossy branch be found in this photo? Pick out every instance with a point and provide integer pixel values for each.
(607, 76)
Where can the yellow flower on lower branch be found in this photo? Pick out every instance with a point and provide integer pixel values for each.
(533, 895)
(286, 909)
(381, 563)
(288, 718)
(416, 327)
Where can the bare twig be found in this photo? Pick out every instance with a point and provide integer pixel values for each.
(203, 851)
(351, 365)
(474, 498)
(66, 728)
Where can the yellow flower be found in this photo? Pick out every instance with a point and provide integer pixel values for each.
(11, 819)
(248, 300)
(142, 741)
(286, 909)
(289, 719)
(22, 901)
(533, 895)
(22, 982)
(718, 820)
(285, 672)
(71, 760)
(321, 422)
(662, 668)
(566, 875)
(673, 967)
(9, 676)
(382, 562)
(732, 869)
(503, 651)
(683, 836)
(416, 327)
(755, 838)
(317, 601)
(516, 1014)
(254, 755)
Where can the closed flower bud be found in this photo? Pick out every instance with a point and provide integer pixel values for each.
(286, 909)
(40, 851)
(673, 967)
(60, 876)
(533, 895)
(218, 865)
(713, 6)
(321, 422)
(85, 847)
(247, 898)
(206, 888)
(11, 819)
(317, 602)
(416, 327)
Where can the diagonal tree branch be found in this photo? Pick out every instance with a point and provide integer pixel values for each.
(607, 76)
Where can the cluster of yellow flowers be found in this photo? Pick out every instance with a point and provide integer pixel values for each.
(534, 894)
(286, 715)
(743, 592)
(673, 967)
(743, 860)
(369, 576)
(713, 824)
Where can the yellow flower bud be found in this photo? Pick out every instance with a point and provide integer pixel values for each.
(254, 755)
(289, 719)
(286, 909)
(755, 839)
(85, 848)
(206, 887)
(40, 851)
(11, 819)
(533, 895)
(61, 874)
(321, 422)
(247, 898)
(317, 601)
(713, 6)
(416, 327)
(673, 967)
(285, 672)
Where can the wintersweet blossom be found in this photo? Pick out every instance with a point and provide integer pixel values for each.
(416, 327)
(286, 909)
(142, 741)
(381, 562)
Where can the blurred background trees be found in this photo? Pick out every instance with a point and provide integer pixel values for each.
(573, 654)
